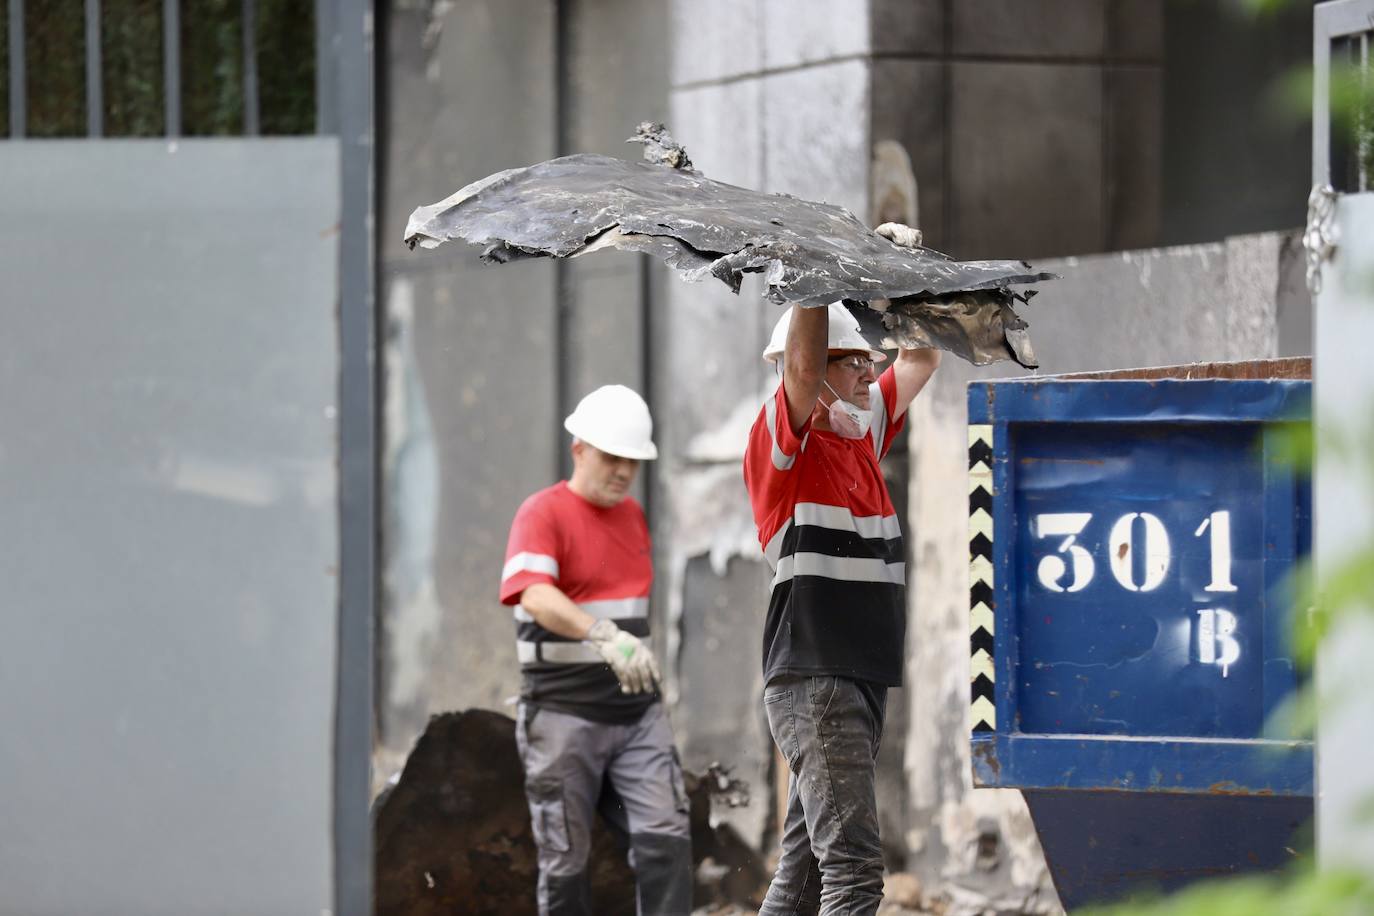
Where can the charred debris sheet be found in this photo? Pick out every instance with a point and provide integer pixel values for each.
(809, 253)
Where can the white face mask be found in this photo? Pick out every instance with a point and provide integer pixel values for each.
(848, 421)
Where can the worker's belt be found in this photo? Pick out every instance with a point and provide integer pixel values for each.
(568, 653)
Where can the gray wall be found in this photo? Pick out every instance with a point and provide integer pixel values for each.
(483, 362)
(1033, 126)
(168, 374)
(1236, 157)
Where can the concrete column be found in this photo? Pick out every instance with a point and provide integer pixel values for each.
(772, 95)
(471, 421)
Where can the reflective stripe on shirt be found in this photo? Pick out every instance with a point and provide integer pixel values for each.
(781, 460)
(567, 653)
(614, 609)
(530, 562)
(835, 518)
(879, 428)
(844, 569)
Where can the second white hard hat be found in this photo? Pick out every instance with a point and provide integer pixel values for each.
(843, 334)
(616, 420)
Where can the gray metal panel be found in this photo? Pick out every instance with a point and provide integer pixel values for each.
(1343, 385)
(168, 379)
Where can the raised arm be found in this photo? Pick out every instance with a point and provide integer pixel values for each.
(912, 369)
(803, 366)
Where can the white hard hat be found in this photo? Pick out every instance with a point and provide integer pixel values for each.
(844, 334)
(616, 420)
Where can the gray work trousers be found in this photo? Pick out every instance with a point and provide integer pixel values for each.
(828, 730)
(567, 761)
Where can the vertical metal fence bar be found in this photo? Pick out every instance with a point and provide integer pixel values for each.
(1362, 124)
(171, 64)
(95, 87)
(326, 71)
(250, 69)
(18, 91)
(1321, 100)
(348, 54)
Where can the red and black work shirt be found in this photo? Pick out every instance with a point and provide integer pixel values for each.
(600, 558)
(832, 540)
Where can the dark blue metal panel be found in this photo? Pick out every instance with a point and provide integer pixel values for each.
(1144, 538)
(1157, 765)
(1102, 846)
(1108, 660)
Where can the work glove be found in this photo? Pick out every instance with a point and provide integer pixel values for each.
(900, 234)
(634, 665)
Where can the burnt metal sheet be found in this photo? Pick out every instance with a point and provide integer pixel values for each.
(808, 252)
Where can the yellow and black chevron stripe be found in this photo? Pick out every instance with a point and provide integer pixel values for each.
(980, 491)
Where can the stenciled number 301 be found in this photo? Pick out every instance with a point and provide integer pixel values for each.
(1067, 526)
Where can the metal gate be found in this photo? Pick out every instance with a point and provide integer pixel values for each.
(144, 379)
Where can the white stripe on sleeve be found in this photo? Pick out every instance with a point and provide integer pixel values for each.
(524, 561)
(781, 460)
(879, 428)
(614, 609)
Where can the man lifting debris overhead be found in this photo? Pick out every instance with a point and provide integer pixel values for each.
(836, 623)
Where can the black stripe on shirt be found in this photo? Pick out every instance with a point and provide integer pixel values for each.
(817, 625)
(836, 543)
(526, 631)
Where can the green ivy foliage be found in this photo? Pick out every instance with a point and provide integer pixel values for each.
(55, 64)
(211, 45)
(131, 65)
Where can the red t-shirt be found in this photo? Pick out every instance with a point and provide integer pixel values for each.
(833, 541)
(601, 559)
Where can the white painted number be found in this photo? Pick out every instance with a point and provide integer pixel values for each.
(1122, 546)
(1216, 641)
(1220, 523)
(1052, 568)
(1216, 628)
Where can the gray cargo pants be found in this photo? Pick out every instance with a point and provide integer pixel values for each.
(828, 730)
(567, 759)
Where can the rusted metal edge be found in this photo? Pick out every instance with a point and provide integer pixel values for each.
(1293, 367)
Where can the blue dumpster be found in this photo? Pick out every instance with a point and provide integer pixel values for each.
(1130, 549)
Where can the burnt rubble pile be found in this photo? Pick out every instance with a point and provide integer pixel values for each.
(453, 833)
